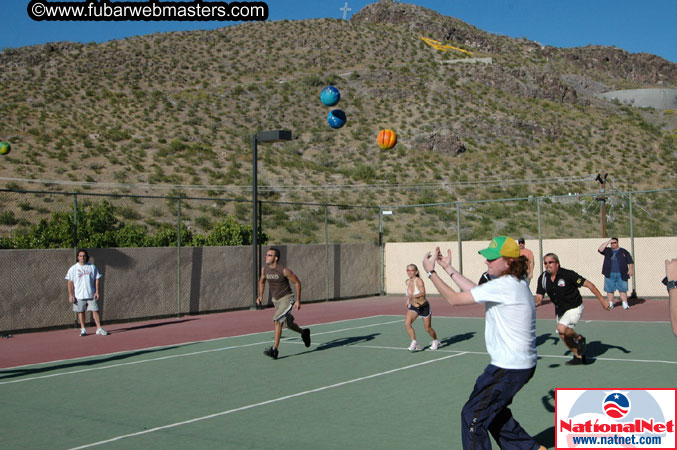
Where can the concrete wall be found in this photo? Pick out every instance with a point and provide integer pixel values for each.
(144, 282)
(575, 254)
(644, 98)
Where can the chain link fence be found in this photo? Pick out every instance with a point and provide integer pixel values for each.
(164, 216)
(178, 228)
(175, 220)
(200, 252)
(589, 219)
(639, 214)
(623, 214)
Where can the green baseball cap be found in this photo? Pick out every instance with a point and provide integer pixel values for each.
(501, 246)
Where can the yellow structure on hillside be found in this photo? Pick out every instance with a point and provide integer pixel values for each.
(437, 45)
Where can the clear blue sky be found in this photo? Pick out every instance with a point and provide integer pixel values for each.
(634, 25)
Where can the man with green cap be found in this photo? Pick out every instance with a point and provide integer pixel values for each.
(510, 337)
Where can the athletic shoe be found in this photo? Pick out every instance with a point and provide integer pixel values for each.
(575, 362)
(580, 346)
(414, 346)
(611, 305)
(305, 335)
(83, 332)
(271, 351)
(435, 345)
(625, 305)
(101, 332)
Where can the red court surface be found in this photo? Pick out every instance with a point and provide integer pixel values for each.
(40, 347)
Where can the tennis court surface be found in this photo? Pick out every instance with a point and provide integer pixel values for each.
(202, 382)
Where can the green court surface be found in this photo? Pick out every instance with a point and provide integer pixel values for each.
(356, 387)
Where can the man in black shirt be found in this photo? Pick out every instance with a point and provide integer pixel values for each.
(562, 286)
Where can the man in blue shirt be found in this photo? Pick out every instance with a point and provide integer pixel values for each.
(617, 268)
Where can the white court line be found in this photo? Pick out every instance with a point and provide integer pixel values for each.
(267, 402)
(162, 358)
(291, 340)
(645, 322)
(177, 344)
(468, 352)
(265, 332)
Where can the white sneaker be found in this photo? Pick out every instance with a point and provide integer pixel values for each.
(435, 345)
(83, 332)
(611, 305)
(101, 332)
(625, 305)
(414, 346)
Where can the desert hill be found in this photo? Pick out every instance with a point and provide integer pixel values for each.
(172, 114)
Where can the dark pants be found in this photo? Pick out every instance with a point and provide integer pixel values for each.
(487, 410)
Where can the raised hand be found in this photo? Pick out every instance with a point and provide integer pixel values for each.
(443, 261)
(429, 261)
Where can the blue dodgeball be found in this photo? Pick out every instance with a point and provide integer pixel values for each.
(336, 118)
(330, 96)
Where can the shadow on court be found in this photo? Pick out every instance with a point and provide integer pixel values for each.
(546, 437)
(342, 342)
(635, 301)
(593, 349)
(20, 372)
(597, 348)
(549, 402)
(451, 340)
(150, 325)
(542, 339)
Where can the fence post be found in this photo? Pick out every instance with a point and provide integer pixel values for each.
(178, 258)
(326, 253)
(632, 250)
(380, 247)
(458, 234)
(259, 232)
(75, 227)
(540, 233)
(75, 237)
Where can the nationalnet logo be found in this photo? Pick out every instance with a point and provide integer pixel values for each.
(615, 418)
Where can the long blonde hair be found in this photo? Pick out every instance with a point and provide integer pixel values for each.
(415, 268)
(417, 275)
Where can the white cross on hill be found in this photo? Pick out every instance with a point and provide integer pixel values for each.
(345, 10)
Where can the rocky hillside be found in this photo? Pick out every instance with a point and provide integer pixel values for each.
(172, 114)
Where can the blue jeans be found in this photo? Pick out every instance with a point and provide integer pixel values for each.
(487, 411)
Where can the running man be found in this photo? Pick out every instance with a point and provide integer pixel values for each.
(562, 286)
(278, 277)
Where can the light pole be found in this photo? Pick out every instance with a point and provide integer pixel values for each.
(263, 136)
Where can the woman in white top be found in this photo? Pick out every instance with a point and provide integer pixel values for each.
(417, 305)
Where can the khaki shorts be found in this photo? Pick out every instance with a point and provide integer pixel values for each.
(283, 308)
(571, 317)
(80, 304)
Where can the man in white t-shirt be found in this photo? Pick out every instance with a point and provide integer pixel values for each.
(510, 337)
(83, 291)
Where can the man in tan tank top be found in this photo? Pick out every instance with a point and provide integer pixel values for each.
(278, 277)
